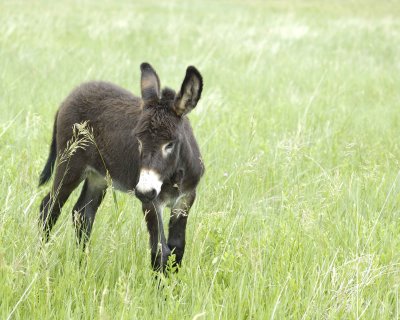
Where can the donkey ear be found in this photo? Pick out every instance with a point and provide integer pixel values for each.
(150, 83)
(190, 93)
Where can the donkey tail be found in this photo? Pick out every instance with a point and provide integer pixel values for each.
(51, 160)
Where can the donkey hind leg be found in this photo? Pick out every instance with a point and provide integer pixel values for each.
(177, 225)
(84, 211)
(65, 182)
(158, 244)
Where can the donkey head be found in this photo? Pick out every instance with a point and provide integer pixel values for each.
(161, 130)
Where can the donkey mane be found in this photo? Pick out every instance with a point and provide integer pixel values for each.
(168, 95)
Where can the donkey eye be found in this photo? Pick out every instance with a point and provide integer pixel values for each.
(169, 146)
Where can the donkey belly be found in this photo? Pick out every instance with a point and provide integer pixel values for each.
(101, 180)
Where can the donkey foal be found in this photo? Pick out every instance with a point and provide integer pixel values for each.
(146, 145)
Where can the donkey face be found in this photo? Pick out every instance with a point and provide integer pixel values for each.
(160, 131)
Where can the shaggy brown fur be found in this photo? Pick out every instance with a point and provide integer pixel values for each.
(127, 134)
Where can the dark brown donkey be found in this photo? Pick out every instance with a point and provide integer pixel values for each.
(145, 145)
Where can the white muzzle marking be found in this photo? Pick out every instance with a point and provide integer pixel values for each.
(148, 181)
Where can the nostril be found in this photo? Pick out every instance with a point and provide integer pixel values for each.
(152, 193)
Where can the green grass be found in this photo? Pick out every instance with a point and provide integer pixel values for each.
(298, 215)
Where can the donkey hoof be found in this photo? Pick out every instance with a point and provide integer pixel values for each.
(159, 260)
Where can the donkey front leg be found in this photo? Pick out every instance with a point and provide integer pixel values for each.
(177, 225)
(158, 244)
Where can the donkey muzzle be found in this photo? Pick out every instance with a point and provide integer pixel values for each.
(149, 185)
(147, 196)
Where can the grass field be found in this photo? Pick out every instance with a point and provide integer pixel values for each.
(298, 215)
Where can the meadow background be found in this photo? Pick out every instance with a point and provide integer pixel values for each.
(298, 213)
